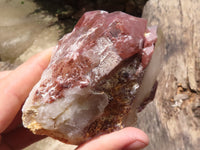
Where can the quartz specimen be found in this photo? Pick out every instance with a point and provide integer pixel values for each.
(91, 84)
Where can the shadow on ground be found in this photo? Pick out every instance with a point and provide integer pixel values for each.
(69, 11)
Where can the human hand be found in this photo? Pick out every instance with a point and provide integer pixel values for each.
(14, 88)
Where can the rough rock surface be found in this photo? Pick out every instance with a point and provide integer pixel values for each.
(172, 121)
(93, 78)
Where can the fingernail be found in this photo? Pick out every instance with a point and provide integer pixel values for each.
(135, 146)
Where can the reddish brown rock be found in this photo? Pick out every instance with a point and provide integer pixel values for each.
(93, 78)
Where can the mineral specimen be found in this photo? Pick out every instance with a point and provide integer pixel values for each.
(91, 84)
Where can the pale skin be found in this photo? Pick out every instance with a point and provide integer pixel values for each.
(15, 86)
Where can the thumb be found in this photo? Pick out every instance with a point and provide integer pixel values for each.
(126, 139)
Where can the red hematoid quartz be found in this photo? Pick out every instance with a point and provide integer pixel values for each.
(99, 67)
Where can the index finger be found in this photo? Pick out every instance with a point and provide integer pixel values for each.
(16, 86)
